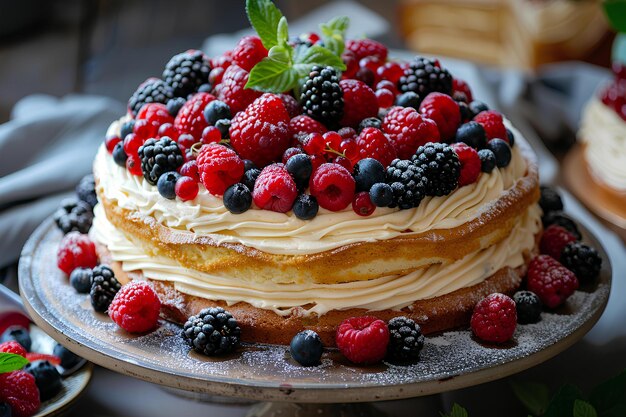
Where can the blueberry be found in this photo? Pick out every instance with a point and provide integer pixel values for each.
(487, 160)
(223, 125)
(528, 306)
(237, 198)
(477, 107)
(19, 334)
(127, 128)
(501, 150)
(511, 137)
(306, 348)
(5, 410)
(409, 99)
(368, 172)
(205, 88)
(472, 134)
(248, 165)
(119, 155)
(174, 105)
(167, 184)
(560, 219)
(215, 111)
(466, 113)
(369, 122)
(249, 177)
(381, 194)
(68, 358)
(47, 378)
(80, 279)
(300, 168)
(305, 207)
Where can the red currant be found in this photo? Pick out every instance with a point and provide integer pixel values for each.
(349, 149)
(385, 98)
(391, 71)
(186, 141)
(316, 161)
(333, 140)
(313, 37)
(211, 134)
(314, 144)
(133, 165)
(189, 169)
(186, 188)
(347, 132)
(370, 62)
(362, 205)
(388, 85)
(344, 162)
(352, 65)
(110, 142)
(132, 143)
(169, 130)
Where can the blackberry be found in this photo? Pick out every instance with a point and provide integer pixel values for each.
(47, 378)
(425, 76)
(405, 340)
(212, 332)
(104, 286)
(322, 97)
(186, 72)
(560, 219)
(528, 306)
(441, 166)
(550, 200)
(153, 90)
(583, 260)
(158, 157)
(407, 182)
(74, 215)
(86, 190)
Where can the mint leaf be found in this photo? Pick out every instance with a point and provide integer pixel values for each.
(264, 17)
(272, 76)
(334, 33)
(317, 55)
(616, 13)
(11, 362)
(534, 396)
(562, 403)
(609, 398)
(282, 32)
(584, 409)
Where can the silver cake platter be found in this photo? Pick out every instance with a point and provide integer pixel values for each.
(449, 361)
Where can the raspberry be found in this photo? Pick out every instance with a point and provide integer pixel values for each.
(248, 52)
(219, 168)
(135, 308)
(360, 102)
(352, 64)
(144, 129)
(373, 143)
(470, 163)
(13, 347)
(362, 48)
(19, 390)
(493, 123)
(186, 188)
(385, 98)
(76, 250)
(275, 189)
(291, 104)
(34, 357)
(494, 318)
(190, 118)
(550, 280)
(362, 204)
(232, 91)
(260, 133)
(444, 111)
(363, 339)
(408, 130)
(554, 239)
(460, 86)
(155, 113)
(391, 71)
(333, 186)
(303, 125)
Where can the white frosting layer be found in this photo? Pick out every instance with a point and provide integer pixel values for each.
(391, 292)
(284, 233)
(604, 133)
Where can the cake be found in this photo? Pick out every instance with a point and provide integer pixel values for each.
(381, 188)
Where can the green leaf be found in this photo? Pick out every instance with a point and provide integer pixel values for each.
(609, 398)
(333, 34)
(11, 362)
(584, 409)
(264, 17)
(534, 396)
(562, 403)
(318, 55)
(272, 76)
(282, 32)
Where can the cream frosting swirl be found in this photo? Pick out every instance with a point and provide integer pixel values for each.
(604, 134)
(284, 233)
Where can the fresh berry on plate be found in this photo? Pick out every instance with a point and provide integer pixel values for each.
(528, 307)
(303, 125)
(19, 390)
(458, 85)
(554, 239)
(12, 346)
(477, 107)
(405, 340)
(360, 102)
(215, 111)
(493, 124)
(86, 190)
(408, 99)
(186, 188)
(190, 119)
(187, 71)
(583, 260)
(237, 198)
(561, 219)
(372, 143)
(322, 96)
(444, 111)
(440, 165)
(550, 280)
(219, 168)
(369, 122)
(550, 200)
(494, 318)
(119, 155)
(76, 250)
(408, 130)
(135, 307)
(68, 358)
(213, 331)
(17, 334)
(47, 378)
(472, 134)
(173, 106)
(104, 286)
(73, 215)
(275, 189)
(363, 340)
(249, 177)
(300, 168)
(333, 187)
(470, 163)
(306, 348)
(80, 279)
(407, 183)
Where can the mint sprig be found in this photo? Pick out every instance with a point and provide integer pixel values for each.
(616, 13)
(11, 362)
(284, 68)
(334, 34)
(456, 411)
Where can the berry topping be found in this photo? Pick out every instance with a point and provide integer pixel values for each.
(17, 334)
(381, 194)
(408, 130)
(472, 134)
(487, 160)
(73, 215)
(424, 76)
(12, 346)
(68, 358)
(174, 105)
(305, 207)
(408, 184)
(158, 157)
(135, 307)
(80, 279)
(155, 114)
(275, 189)
(583, 260)
(528, 306)
(153, 90)
(291, 104)
(560, 219)
(362, 48)
(360, 102)
(190, 118)
(260, 133)
(385, 98)
(249, 177)
(76, 250)
(460, 86)
(19, 390)
(510, 137)
(167, 184)
(47, 378)
(550, 280)
(104, 286)
(374, 144)
(332, 186)
(550, 200)
(289, 153)
(237, 198)
(501, 150)
(444, 111)
(362, 204)
(493, 124)
(110, 142)
(405, 340)
(248, 52)
(470, 163)
(219, 168)
(119, 155)
(554, 239)
(300, 168)
(212, 332)
(186, 188)
(232, 90)
(494, 318)
(302, 125)
(441, 166)
(187, 71)
(322, 96)
(369, 122)
(363, 339)
(306, 348)
(409, 99)
(86, 190)
(215, 111)
(368, 172)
